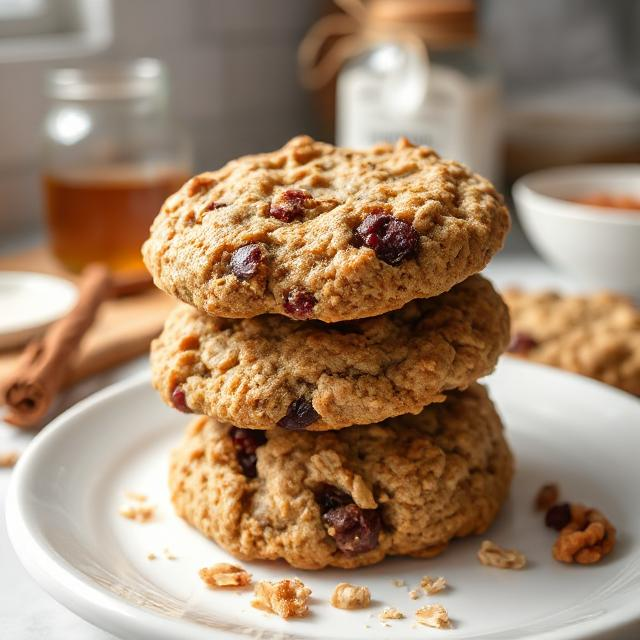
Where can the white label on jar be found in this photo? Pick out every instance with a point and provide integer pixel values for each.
(459, 117)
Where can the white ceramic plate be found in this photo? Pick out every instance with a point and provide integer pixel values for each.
(30, 302)
(64, 523)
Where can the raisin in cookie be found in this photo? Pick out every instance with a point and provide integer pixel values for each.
(316, 231)
(272, 371)
(596, 335)
(346, 498)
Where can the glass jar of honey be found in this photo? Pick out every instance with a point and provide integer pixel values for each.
(112, 155)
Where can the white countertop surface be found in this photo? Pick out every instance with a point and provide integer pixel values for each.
(28, 613)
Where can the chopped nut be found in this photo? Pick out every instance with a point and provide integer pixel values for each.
(432, 586)
(138, 512)
(492, 555)
(587, 538)
(414, 594)
(152, 556)
(399, 583)
(546, 497)
(8, 459)
(135, 496)
(224, 575)
(287, 598)
(433, 615)
(350, 596)
(390, 613)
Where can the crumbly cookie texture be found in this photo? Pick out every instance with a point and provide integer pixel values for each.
(595, 335)
(223, 575)
(492, 555)
(316, 231)
(253, 373)
(346, 498)
(350, 596)
(287, 598)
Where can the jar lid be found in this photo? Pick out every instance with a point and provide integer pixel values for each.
(141, 78)
(438, 22)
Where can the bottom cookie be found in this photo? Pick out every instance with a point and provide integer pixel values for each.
(347, 498)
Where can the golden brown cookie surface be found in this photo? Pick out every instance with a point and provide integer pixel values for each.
(347, 498)
(315, 231)
(268, 371)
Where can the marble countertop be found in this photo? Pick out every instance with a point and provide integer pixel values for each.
(28, 613)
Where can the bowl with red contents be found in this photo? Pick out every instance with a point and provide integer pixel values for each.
(585, 220)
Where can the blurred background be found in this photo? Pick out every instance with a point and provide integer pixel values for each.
(568, 68)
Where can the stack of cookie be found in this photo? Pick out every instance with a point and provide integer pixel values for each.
(331, 338)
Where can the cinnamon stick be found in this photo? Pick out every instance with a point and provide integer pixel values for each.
(43, 366)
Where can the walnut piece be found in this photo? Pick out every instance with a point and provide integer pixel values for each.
(432, 586)
(224, 575)
(587, 538)
(433, 615)
(547, 496)
(8, 459)
(492, 555)
(390, 613)
(288, 598)
(350, 596)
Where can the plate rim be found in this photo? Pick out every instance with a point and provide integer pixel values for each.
(90, 601)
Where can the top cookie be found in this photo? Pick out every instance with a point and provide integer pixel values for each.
(316, 231)
(596, 335)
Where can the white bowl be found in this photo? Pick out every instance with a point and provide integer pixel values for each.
(598, 245)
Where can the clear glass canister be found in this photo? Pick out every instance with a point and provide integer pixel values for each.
(423, 76)
(112, 154)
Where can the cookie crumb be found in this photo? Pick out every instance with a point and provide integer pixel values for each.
(138, 512)
(547, 496)
(168, 554)
(136, 496)
(390, 613)
(224, 575)
(492, 555)
(433, 615)
(350, 596)
(8, 459)
(399, 583)
(287, 598)
(414, 594)
(432, 586)
(152, 556)
(586, 538)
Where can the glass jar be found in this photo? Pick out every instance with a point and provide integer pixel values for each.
(423, 76)
(112, 155)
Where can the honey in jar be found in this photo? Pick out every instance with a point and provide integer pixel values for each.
(104, 216)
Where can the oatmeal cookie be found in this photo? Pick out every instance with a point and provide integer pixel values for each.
(268, 371)
(346, 498)
(596, 335)
(317, 231)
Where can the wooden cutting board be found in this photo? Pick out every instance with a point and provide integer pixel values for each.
(122, 331)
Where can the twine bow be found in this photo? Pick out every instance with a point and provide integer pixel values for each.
(353, 33)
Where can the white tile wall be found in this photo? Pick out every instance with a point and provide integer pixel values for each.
(233, 77)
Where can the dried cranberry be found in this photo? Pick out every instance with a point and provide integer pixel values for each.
(245, 261)
(521, 343)
(392, 239)
(246, 443)
(300, 415)
(558, 516)
(214, 205)
(329, 497)
(355, 530)
(179, 400)
(289, 205)
(299, 303)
